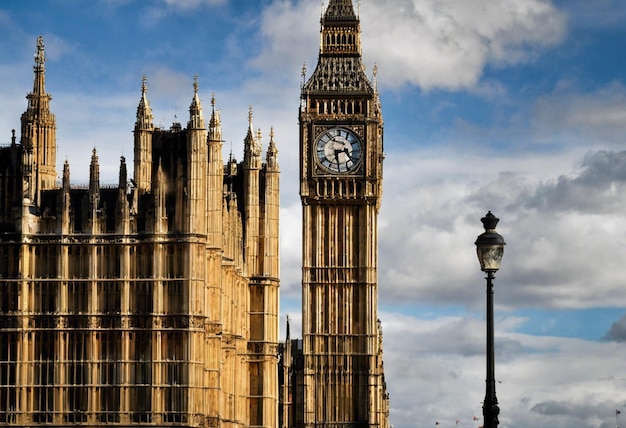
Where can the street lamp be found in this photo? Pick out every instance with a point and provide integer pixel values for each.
(490, 247)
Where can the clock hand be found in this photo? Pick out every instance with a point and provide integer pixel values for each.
(337, 151)
(347, 152)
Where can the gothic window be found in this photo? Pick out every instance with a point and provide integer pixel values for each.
(141, 376)
(77, 375)
(176, 376)
(8, 297)
(110, 375)
(8, 357)
(109, 261)
(109, 298)
(45, 294)
(43, 380)
(78, 297)
(175, 298)
(45, 262)
(9, 257)
(141, 298)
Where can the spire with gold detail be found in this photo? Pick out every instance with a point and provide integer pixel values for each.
(215, 123)
(38, 100)
(39, 129)
(252, 146)
(272, 154)
(144, 129)
(196, 119)
(144, 112)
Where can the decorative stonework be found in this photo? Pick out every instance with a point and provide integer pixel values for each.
(339, 74)
(130, 304)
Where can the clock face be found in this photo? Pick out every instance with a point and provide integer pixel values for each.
(339, 150)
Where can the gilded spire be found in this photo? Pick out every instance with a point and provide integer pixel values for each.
(40, 68)
(144, 112)
(249, 140)
(38, 99)
(272, 153)
(252, 145)
(39, 129)
(196, 119)
(215, 123)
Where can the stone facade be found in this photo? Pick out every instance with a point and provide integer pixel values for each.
(334, 375)
(153, 302)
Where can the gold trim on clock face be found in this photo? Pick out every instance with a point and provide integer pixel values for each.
(338, 150)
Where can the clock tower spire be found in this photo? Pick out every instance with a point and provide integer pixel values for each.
(341, 155)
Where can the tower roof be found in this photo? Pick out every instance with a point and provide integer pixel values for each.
(339, 67)
(340, 10)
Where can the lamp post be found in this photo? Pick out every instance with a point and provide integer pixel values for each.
(490, 247)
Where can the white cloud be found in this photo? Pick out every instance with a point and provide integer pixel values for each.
(447, 43)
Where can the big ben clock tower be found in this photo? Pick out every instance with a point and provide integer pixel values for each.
(341, 155)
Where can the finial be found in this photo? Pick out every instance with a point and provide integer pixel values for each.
(250, 115)
(213, 100)
(303, 75)
(272, 133)
(375, 73)
(144, 86)
(195, 84)
(490, 221)
(40, 56)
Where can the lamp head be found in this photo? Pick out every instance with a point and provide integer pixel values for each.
(490, 245)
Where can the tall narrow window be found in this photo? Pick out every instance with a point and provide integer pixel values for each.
(8, 359)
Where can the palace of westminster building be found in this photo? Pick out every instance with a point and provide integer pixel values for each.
(155, 302)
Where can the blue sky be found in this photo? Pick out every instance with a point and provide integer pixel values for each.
(514, 106)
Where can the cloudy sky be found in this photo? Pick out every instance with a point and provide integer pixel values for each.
(513, 106)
